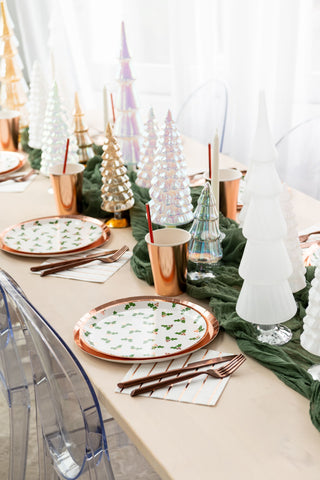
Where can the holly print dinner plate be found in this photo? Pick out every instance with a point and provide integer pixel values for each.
(51, 236)
(141, 328)
(10, 162)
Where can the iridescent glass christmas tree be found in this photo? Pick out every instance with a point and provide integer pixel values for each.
(116, 192)
(56, 131)
(148, 152)
(127, 128)
(80, 130)
(13, 90)
(205, 250)
(37, 106)
(170, 203)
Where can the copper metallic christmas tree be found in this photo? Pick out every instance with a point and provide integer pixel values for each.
(13, 91)
(80, 131)
(116, 190)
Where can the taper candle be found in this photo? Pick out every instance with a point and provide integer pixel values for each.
(105, 108)
(215, 169)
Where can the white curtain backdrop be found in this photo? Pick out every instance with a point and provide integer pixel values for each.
(175, 46)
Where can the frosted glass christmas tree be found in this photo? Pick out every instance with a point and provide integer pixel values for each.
(37, 106)
(83, 140)
(297, 279)
(148, 152)
(127, 127)
(56, 131)
(116, 192)
(205, 250)
(170, 203)
(13, 90)
(265, 298)
(310, 337)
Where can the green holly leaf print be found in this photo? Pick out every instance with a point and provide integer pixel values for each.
(125, 339)
(110, 323)
(87, 333)
(106, 340)
(153, 306)
(167, 327)
(194, 338)
(165, 314)
(174, 305)
(129, 305)
(182, 332)
(171, 339)
(157, 346)
(182, 320)
(148, 340)
(126, 325)
(177, 347)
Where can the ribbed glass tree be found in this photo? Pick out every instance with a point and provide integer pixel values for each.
(56, 131)
(13, 90)
(37, 106)
(116, 192)
(265, 298)
(170, 203)
(297, 279)
(148, 152)
(310, 337)
(205, 250)
(85, 150)
(127, 128)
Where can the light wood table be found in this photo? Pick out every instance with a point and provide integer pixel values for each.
(260, 428)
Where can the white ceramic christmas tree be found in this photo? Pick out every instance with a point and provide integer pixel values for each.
(170, 203)
(148, 152)
(297, 279)
(265, 298)
(310, 337)
(127, 128)
(37, 106)
(56, 130)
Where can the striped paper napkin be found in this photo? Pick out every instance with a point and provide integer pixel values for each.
(203, 390)
(16, 187)
(95, 271)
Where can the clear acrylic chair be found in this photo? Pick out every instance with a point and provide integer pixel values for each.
(204, 112)
(14, 385)
(71, 435)
(298, 163)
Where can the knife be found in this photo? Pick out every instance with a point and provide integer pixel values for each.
(176, 371)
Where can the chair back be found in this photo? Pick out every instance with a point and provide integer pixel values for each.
(298, 163)
(68, 411)
(204, 112)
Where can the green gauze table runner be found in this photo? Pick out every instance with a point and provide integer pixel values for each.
(289, 362)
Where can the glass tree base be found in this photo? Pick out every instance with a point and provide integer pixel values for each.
(118, 221)
(200, 270)
(315, 372)
(274, 334)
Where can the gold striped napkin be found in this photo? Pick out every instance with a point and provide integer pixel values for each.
(202, 390)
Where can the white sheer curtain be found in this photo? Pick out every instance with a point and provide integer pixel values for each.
(176, 45)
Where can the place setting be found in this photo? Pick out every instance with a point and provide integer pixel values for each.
(13, 178)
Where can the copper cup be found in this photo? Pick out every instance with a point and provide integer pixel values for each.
(169, 256)
(67, 188)
(229, 180)
(9, 130)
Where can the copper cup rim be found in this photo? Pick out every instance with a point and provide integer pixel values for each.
(186, 239)
(232, 174)
(57, 170)
(9, 114)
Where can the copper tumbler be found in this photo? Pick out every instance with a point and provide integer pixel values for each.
(169, 256)
(9, 130)
(67, 188)
(229, 181)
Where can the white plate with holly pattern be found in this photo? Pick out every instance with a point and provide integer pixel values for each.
(10, 162)
(144, 329)
(51, 236)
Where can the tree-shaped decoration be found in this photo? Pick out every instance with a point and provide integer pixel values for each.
(13, 90)
(265, 298)
(310, 337)
(204, 247)
(148, 152)
(127, 128)
(297, 279)
(170, 203)
(80, 130)
(56, 131)
(116, 192)
(37, 106)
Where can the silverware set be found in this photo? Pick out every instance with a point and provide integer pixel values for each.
(19, 178)
(222, 372)
(111, 256)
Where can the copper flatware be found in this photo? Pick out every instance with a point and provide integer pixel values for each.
(18, 178)
(221, 372)
(111, 259)
(63, 263)
(176, 371)
(304, 238)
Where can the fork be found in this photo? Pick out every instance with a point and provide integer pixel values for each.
(221, 372)
(77, 263)
(20, 177)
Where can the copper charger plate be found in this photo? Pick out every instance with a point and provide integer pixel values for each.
(21, 162)
(104, 237)
(211, 321)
